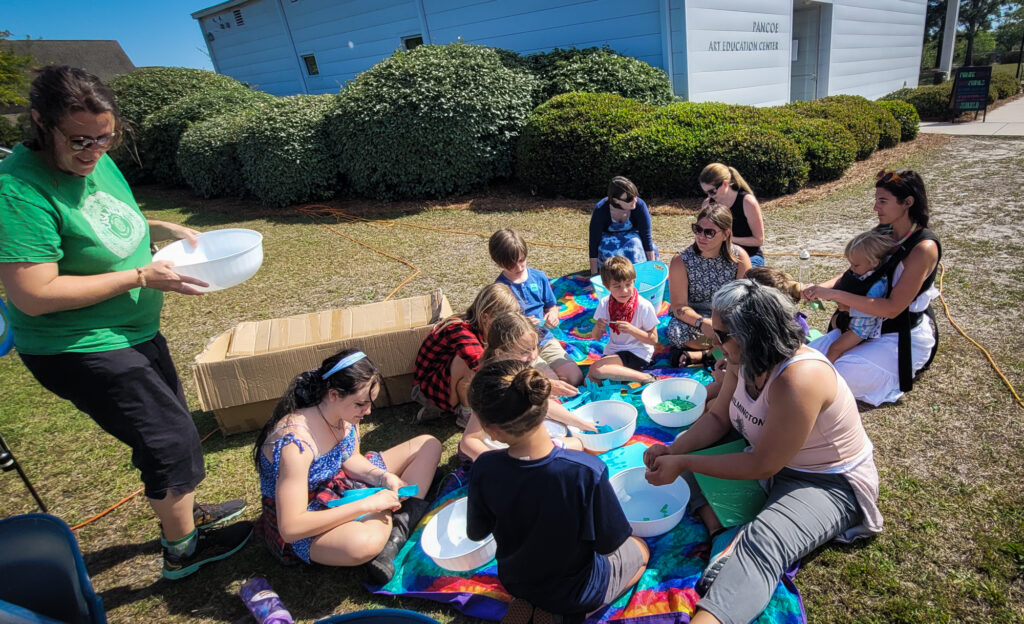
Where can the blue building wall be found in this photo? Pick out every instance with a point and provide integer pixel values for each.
(349, 37)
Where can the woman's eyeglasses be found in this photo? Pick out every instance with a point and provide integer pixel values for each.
(885, 177)
(705, 232)
(82, 143)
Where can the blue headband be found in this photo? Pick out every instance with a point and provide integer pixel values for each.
(345, 362)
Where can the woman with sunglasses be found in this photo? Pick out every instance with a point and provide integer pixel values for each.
(881, 369)
(85, 299)
(724, 185)
(621, 226)
(693, 277)
(806, 442)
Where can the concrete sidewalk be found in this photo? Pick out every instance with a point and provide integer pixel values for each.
(1007, 120)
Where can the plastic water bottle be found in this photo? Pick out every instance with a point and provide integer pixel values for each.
(264, 603)
(805, 265)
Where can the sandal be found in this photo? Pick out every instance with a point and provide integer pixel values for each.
(683, 359)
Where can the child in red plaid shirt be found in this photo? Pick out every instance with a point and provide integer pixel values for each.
(451, 352)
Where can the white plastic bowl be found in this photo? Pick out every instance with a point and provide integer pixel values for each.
(445, 541)
(223, 258)
(618, 415)
(555, 430)
(662, 505)
(675, 388)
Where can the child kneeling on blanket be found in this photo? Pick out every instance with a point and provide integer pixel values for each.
(633, 323)
(564, 544)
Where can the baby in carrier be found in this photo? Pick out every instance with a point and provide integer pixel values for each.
(865, 252)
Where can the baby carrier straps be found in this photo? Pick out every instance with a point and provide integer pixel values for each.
(907, 320)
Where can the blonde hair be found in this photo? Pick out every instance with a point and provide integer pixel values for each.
(873, 244)
(777, 279)
(722, 218)
(507, 333)
(617, 269)
(492, 301)
(716, 173)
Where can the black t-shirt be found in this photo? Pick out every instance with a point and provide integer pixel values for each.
(554, 520)
(740, 225)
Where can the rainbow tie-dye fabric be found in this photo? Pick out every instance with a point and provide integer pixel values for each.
(665, 593)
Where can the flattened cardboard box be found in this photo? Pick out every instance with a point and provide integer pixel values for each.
(242, 373)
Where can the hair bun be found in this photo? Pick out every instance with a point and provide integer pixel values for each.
(533, 385)
(308, 389)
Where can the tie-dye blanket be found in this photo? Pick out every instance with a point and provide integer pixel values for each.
(665, 592)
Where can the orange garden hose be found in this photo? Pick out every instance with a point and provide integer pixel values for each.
(313, 211)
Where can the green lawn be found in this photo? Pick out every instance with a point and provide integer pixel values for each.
(949, 454)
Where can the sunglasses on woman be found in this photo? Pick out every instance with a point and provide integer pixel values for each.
(704, 232)
(82, 143)
(885, 177)
(722, 336)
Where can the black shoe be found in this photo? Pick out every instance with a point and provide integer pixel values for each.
(212, 545)
(403, 523)
(207, 516)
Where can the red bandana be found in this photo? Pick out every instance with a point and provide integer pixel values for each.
(621, 311)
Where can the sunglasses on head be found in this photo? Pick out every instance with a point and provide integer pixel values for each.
(705, 232)
(885, 177)
(81, 143)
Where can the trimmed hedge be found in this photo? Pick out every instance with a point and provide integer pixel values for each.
(569, 145)
(207, 155)
(906, 115)
(767, 160)
(147, 90)
(932, 101)
(161, 131)
(607, 72)
(1005, 85)
(857, 119)
(431, 122)
(283, 153)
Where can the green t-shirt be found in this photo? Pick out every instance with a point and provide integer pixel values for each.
(88, 226)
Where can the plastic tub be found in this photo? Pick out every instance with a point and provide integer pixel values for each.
(651, 280)
(618, 415)
(445, 541)
(675, 388)
(651, 509)
(223, 258)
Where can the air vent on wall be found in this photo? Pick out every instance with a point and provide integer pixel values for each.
(238, 17)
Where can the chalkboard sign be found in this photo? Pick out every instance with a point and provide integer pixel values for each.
(970, 91)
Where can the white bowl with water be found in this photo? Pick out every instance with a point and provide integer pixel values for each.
(651, 509)
(445, 541)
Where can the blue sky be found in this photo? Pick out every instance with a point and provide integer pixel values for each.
(151, 32)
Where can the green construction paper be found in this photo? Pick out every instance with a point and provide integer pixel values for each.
(734, 502)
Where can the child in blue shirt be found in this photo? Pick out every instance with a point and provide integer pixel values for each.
(564, 544)
(533, 289)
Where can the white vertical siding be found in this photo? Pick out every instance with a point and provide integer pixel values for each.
(876, 46)
(717, 72)
(349, 37)
(258, 52)
(525, 26)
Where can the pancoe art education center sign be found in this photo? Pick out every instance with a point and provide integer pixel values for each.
(739, 51)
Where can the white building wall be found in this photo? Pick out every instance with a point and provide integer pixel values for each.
(258, 51)
(738, 51)
(876, 46)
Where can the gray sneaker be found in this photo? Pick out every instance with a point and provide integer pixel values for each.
(428, 411)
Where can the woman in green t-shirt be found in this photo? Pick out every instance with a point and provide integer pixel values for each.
(85, 299)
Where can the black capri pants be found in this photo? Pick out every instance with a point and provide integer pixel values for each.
(135, 395)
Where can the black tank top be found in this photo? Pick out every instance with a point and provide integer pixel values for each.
(740, 226)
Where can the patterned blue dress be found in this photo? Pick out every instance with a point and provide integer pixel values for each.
(325, 470)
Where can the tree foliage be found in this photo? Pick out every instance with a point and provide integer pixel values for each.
(13, 74)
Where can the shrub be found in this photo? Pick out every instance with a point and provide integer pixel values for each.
(931, 101)
(888, 127)
(569, 145)
(860, 122)
(1005, 85)
(607, 72)
(431, 122)
(145, 91)
(9, 133)
(768, 161)
(906, 115)
(207, 155)
(162, 130)
(660, 157)
(283, 154)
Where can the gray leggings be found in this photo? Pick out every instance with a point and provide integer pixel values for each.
(803, 511)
